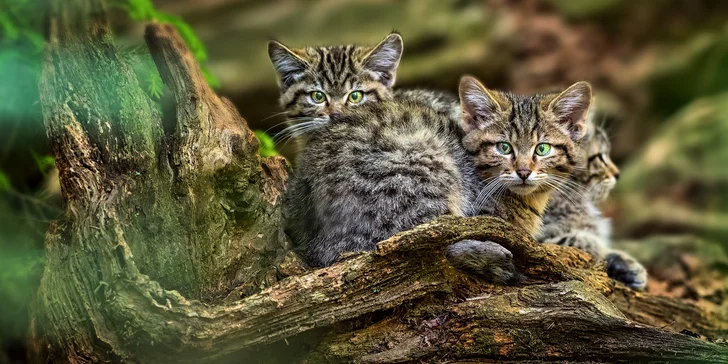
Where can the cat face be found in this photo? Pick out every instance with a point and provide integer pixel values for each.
(526, 144)
(316, 82)
(600, 174)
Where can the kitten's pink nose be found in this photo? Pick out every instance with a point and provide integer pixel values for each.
(523, 173)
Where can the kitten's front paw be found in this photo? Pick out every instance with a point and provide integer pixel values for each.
(623, 268)
(486, 259)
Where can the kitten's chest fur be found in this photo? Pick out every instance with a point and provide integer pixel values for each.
(578, 212)
(523, 211)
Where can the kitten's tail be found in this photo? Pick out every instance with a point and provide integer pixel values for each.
(486, 259)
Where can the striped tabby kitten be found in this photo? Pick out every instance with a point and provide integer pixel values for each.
(317, 82)
(372, 172)
(523, 148)
(573, 218)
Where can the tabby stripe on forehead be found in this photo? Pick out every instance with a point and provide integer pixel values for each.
(344, 65)
(536, 124)
(519, 125)
(330, 69)
(512, 116)
(333, 65)
(350, 58)
(321, 66)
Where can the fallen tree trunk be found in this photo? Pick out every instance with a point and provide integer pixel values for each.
(566, 321)
(169, 249)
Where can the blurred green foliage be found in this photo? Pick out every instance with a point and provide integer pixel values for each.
(4, 182)
(25, 210)
(20, 267)
(677, 183)
(44, 162)
(267, 146)
(144, 10)
(147, 74)
(21, 44)
(698, 68)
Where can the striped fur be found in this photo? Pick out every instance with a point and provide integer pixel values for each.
(573, 219)
(600, 174)
(372, 172)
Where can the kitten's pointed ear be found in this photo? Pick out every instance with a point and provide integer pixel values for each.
(571, 109)
(287, 64)
(383, 60)
(481, 106)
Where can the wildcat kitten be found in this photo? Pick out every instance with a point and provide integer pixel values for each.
(573, 218)
(523, 149)
(317, 82)
(372, 172)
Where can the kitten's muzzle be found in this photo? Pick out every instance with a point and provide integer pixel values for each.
(523, 173)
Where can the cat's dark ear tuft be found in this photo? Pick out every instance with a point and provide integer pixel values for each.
(383, 59)
(481, 107)
(571, 109)
(287, 64)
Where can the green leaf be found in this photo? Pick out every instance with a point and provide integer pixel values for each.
(144, 10)
(155, 86)
(4, 182)
(267, 146)
(187, 34)
(44, 163)
(9, 28)
(140, 10)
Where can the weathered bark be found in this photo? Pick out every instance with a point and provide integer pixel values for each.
(160, 228)
(669, 313)
(566, 321)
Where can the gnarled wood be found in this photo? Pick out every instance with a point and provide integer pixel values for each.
(566, 321)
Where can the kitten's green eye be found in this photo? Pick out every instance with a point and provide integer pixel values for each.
(318, 97)
(355, 97)
(504, 148)
(543, 149)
